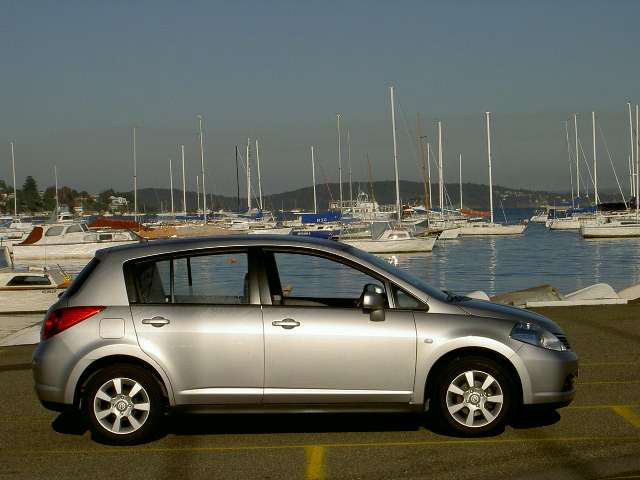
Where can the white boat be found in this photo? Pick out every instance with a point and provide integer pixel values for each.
(394, 241)
(68, 240)
(566, 223)
(488, 228)
(611, 230)
(271, 231)
(30, 289)
(450, 234)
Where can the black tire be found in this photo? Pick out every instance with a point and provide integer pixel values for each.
(486, 417)
(148, 421)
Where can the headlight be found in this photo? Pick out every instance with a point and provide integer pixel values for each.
(538, 336)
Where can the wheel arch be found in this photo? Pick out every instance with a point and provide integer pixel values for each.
(474, 351)
(111, 360)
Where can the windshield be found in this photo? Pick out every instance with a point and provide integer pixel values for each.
(401, 274)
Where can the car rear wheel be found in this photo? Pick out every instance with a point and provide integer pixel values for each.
(473, 396)
(123, 404)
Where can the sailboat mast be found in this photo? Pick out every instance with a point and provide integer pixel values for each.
(632, 157)
(423, 165)
(566, 130)
(595, 160)
(135, 178)
(373, 195)
(440, 174)
(575, 124)
(489, 158)
(198, 193)
(171, 186)
(429, 172)
(460, 182)
(313, 176)
(637, 178)
(259, 177)
(55, 174)
(248, 175)
(204, 194)
(349, 161)
(184, 185)
(237, 183)
(339, 160)
(395, 152)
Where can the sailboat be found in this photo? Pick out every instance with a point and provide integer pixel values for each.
(394, 239)
(490, 228)
(610, 227)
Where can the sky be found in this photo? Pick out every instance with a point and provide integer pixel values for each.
(77, 75)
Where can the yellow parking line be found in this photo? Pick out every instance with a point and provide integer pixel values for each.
(608, 364)
(597, 407)
(417, 443)
(628, 414)
(315, 463)
(611, 382)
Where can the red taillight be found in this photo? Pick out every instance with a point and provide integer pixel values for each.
(63, 318)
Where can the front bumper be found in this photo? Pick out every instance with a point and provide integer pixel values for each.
(552, 375)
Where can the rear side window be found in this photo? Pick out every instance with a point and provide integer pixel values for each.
(54, 231)
(214, 279)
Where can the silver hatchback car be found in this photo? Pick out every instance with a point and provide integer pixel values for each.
(282, 324)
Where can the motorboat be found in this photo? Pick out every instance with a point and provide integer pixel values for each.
(488, 228)
(68, 240)
(29, 289)
(393, 240)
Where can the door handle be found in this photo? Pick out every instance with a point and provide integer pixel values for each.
(156, 321)
(287, 323)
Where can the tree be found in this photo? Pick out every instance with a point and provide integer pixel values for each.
(49, 199)
(29, 196)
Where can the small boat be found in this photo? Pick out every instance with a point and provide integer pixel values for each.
(30, 289)
(68, 240)
(488, 228)
(614, 229)
(393, 240)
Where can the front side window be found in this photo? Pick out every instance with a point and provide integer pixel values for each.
(74, 229)
(214, 279)
(309, 280)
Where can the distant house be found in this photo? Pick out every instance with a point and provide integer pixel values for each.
(117, 203)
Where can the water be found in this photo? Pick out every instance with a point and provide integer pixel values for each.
(500, 264)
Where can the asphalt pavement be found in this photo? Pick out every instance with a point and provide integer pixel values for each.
(597, 437)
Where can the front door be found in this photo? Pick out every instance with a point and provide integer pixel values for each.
(320, 347)
(195, 317)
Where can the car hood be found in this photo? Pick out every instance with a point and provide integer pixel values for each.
(482, 308)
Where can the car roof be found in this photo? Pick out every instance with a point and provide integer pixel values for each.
(159, 247)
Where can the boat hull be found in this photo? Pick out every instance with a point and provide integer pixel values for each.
(28, 300)
(610, 231)
(412, 245)
(62, 251)
(449, 234)
(492, 229)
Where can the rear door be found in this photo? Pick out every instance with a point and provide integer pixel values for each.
(320, 347)
(199, 317)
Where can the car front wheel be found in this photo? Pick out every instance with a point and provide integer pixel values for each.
(123, 404)
(474, 396)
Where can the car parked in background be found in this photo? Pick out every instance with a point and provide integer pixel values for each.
(283, 323)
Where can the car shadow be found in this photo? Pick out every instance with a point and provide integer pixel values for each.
(289, 423)
(534, 417)
(71, 423)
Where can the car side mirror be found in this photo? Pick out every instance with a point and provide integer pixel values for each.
(374, 300)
